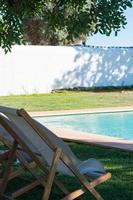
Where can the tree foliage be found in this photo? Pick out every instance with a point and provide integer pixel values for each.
(58, 21)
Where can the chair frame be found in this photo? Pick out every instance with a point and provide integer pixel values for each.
(25, 167)
(58, 155)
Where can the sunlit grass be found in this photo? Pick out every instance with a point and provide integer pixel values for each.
(67, 100)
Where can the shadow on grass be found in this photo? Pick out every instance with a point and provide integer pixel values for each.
(119, 187)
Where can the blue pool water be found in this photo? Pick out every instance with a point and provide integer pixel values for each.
(117, 124)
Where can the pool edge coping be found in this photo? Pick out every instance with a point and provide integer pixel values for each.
(94, 139)
(81, 111)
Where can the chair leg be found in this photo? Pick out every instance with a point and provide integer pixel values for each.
(75, 194)
(79, 192)
(52, 174)
(8, 168)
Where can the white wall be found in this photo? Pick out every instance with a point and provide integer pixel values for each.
(39, 69)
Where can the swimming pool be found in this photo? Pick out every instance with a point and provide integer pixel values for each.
(115, 124)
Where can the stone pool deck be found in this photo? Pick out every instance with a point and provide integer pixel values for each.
(100, 140)
(93, 139)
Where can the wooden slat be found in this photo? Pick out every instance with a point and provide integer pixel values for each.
(8, 168)
(19, 171)
(27, 187)
(52, 174)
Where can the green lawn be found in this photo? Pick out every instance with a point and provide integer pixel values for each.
(119, 187)
(66, 100)
(119, 163)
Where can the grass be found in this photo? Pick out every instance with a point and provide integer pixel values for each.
(66, 100)
(119, 163)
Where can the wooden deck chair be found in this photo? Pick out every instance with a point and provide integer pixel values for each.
(34, 137)
(26, 165)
